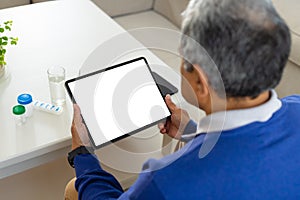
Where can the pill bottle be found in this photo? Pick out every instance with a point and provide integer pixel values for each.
(19, 114)
(26, 101)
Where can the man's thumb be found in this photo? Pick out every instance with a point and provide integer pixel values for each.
(77, 112)
(172, 106)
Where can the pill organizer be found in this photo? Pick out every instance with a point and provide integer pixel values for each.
(48, 107)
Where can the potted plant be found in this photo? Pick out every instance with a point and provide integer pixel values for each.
(4, 42)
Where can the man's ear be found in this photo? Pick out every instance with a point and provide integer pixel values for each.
(202, 82)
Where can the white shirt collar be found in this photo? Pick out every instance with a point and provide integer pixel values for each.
(228, 120)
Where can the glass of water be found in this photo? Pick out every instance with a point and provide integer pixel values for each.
(56, 77)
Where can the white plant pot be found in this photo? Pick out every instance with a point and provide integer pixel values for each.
(3, 72)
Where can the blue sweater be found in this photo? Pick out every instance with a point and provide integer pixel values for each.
(255, 161)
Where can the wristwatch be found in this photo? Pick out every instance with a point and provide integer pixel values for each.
(78, 151)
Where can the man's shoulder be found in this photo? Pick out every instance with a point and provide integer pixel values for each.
(292, 99)
(290, 103)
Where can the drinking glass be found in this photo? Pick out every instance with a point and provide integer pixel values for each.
(56, 77)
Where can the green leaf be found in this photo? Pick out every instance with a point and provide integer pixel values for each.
(2, 52)
(1, 30)
(13, 43)
(5, 38)
(7, 28)
(2, 58)
(4, 43)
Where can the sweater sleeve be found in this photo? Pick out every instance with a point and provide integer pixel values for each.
(92, 181)
(191, 128)
(145, 188)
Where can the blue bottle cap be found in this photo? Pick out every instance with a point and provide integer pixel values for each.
(24, 99)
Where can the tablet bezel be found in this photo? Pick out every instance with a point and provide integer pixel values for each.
(104, 70)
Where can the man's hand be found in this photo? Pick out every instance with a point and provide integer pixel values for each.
(79, 131)
(175, 126)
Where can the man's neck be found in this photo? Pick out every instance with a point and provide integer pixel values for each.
(235, 103)
(247, 102)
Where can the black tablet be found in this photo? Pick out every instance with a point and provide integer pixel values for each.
(164, 86)
(118, 101)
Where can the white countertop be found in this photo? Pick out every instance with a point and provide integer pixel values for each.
(61, 33)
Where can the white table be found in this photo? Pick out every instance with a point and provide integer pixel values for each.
(60, 33)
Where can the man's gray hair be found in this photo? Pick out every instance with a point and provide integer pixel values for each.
(246, 40)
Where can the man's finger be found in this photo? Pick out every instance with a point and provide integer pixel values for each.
(161, 126)
(163, 131)
(76, 108)
(76, 116)
(172, 106)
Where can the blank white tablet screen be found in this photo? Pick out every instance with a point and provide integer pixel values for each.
(124, 99)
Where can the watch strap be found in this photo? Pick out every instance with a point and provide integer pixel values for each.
(79, 150)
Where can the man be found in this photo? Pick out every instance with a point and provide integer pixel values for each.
(256, 151)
